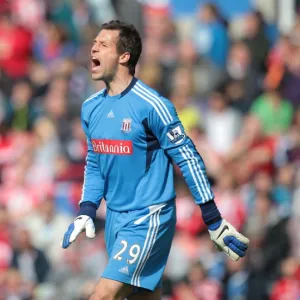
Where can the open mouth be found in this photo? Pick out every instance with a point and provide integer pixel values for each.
(95, 63)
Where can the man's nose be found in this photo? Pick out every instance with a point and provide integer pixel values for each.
(95, 49)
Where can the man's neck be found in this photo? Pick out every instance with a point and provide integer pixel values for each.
(118, 84)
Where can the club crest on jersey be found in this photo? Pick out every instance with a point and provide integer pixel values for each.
(126, 125)
(176, 135)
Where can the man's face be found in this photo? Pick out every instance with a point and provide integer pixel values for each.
(104, 55)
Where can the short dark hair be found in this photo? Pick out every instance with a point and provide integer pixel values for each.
(129, 41)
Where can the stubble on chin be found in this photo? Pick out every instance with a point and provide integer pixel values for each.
(97, 77)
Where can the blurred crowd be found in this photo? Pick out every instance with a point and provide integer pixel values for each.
(233, 73)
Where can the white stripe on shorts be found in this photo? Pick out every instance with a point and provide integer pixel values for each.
(147, 248)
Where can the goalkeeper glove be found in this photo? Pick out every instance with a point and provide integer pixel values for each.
(227, 239)
(81, 223)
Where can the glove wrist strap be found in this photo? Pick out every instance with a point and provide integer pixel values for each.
(210, 214)
(89, 209)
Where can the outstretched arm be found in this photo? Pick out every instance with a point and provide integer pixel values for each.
(92, 193)
(166, 126)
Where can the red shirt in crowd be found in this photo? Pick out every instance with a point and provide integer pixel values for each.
(286, 289)
(15, 49)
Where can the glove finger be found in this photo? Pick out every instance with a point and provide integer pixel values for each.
(66, 239)
(90, 229)
(242, 238)
(232, 239)
(231, 254)
(240, 245)
(236, 250)
(75, 234)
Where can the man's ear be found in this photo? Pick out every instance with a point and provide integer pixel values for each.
(124, 58)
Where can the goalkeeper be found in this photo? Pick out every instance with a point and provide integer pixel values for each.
(133, 135)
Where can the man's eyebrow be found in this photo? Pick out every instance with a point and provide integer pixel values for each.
(99, 41)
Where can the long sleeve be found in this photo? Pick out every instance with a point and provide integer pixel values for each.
(93, 185)
(166, 126)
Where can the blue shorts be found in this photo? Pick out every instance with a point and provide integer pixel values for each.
(138, 244)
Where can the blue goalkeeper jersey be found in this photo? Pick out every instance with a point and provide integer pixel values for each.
(133, 138)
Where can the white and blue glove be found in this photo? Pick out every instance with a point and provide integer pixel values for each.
(80, 224)
(227, 239)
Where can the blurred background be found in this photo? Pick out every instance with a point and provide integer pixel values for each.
(232, 69)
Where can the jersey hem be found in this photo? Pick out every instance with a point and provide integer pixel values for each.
(141, 208)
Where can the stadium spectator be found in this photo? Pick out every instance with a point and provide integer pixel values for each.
(210, 35)
(274, 112)
(15, 52)
(29, 261)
